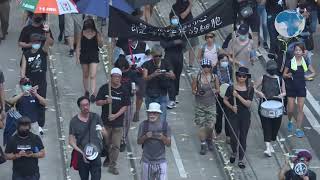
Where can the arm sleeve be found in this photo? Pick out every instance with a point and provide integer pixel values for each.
(140, 131)
(10, 146)
(71, 129)
(39, 143)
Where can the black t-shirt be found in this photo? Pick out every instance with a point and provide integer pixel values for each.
(290, 175)
(29, 106)
(28, 30)
(244, 94)
(120, 98)
(179, 7)
(36, 65)
(25, 166)
(159, 85)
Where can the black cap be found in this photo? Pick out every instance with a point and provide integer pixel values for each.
(243, 29)
(243, 71)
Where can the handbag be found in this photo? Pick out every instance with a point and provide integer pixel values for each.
(75, 154)
(2, 157)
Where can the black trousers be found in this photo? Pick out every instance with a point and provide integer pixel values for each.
(240, 124)
(93, 168)
(16, 176)
(270, 127)
(273, 33)
(176, 61)
(219, 117)
(61, 24)
(42, 91)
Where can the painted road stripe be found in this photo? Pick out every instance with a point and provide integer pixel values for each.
(314, 103)
(177, 158)
(310, 117)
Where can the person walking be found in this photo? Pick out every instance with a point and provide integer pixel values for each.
(223, 71)
(261, 10)
(204, 86)
(295, 77)
(272, 88)
(182, 9)
(174, 54)
(210, 49)
(120, 100)
(154, 135)
(34, 68)
(157, 73)
(87, 54)
(85, 137)
(4, 18)
(25, 148)
(29, 103)
(239, 113)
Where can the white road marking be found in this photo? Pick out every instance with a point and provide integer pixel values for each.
(177, 158)
(313, 121)
(314, 103)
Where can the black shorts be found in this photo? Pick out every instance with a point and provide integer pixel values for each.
(296, 92)
(89, 58)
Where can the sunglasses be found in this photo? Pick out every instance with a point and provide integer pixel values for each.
(206, 66)
(157, 56)
(211, 37)
(242, 76)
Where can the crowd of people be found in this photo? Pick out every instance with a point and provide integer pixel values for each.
(223, 88)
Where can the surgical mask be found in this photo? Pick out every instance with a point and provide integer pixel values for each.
(243, 37)
(175, 21)
(224, 64)
(26, 88)
(23, 133)
(36, 46)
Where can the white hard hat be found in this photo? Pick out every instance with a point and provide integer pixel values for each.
(91, 151)
(116, 71)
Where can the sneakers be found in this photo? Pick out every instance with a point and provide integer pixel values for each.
(299, 133)
(40, 131)
(241, 165)
(265, 46)
(203, 150)
(113, 170)
(267, 152)
(290, 126)
(71, 53)
(171, 105)
(232, 158)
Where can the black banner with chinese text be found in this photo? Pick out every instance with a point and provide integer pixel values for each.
(124, 25)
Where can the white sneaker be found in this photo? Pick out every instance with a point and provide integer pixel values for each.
(40, 131)
(271, 148)
(267, 152)
(171, 105)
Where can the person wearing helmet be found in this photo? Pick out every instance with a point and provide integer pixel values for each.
(272, 88)
(24, 149)
(154, 135)
(204, 86)
(301, 170)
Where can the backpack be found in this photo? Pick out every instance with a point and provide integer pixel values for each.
(145, 128)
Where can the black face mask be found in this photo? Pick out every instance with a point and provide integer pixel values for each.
(23, 133)
(38, 20)
(272, 71)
